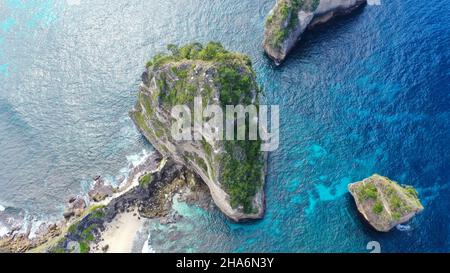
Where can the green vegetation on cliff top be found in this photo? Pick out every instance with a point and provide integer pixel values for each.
(211, 52)
(284, 19)
(234, 69)
(400, 200)
(241, 177)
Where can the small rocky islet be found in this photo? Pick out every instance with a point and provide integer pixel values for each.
(384, 203)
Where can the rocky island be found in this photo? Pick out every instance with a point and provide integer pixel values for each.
(289, 19)
(384, 203)
(233, 170)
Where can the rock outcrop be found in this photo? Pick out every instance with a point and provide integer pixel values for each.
(289, 19)
(75, 207)
(384, 203)
(233, 170)
(22, 242)
(100, 191)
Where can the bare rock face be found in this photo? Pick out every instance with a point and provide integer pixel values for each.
(289, 19)
(233, 170)
(384, 203)
(75, 207)
(100, 191)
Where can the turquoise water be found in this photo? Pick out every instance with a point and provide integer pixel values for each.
(366, 94)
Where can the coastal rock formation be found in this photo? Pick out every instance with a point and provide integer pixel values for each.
(75, 207)
(20, 236)
(233, 170)
(100, 191)
(22, 242)
(384, 203)
(289, 19)
(11, 220)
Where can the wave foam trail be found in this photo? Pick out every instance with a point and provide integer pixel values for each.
(146, 248)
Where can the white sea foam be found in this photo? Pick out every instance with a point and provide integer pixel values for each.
(139, 158)
(146, 248)
(403, 227)
(133, 161)
(3, 230)
(35, 224)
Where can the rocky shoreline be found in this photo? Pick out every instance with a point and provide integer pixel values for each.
(83, 228)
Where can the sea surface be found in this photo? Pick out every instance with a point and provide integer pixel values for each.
(367, 93)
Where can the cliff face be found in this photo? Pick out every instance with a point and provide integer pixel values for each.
(289, 19)
(384, 203)
(233, 170)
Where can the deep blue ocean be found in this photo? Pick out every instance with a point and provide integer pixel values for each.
(368, 93)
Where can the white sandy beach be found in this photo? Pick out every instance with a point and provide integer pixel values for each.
(121, 233)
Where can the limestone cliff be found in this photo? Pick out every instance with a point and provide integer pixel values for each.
(233, 170)
(289, 19)
(384, 203)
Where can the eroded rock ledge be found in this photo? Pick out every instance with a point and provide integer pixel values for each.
(289, 19)
(384, 203)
